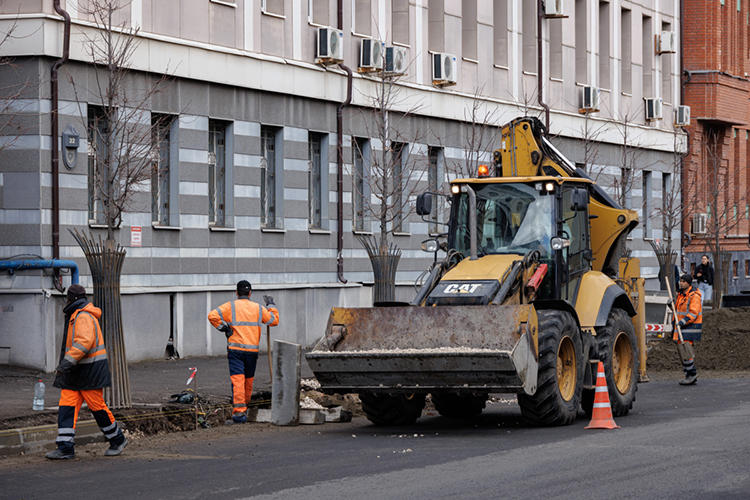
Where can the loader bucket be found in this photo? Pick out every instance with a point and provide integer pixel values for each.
(460, 349)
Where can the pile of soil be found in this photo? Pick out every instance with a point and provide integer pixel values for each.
(724, 344)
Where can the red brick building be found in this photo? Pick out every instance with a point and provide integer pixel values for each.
(716, 180)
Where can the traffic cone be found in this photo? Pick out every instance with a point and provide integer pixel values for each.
(601, 415)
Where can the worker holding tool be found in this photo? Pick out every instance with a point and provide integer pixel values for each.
(241, 322)
(689, 315)
(82, 374)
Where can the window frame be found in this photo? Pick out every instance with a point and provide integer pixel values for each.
(222, 179)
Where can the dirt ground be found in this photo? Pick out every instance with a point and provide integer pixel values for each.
(724, 344)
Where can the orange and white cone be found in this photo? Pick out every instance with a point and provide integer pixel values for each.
(601, 416)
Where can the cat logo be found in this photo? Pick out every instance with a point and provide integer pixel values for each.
(465, 288)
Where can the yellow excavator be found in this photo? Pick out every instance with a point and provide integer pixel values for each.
(535, 289)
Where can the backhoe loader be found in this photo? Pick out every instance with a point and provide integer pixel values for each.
(535, 289)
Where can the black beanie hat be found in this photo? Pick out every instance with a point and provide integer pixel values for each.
(244, 288)
(76, 292)
(687, 278)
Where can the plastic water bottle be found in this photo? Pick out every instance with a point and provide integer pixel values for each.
(39, 396)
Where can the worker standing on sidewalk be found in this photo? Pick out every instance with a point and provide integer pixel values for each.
(82, 374)
(241, 322)
(689, 311)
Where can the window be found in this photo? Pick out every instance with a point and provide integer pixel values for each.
(469, 29)
(555, 49)
(528, 37)
(98, 169)
(161, 169)
(747, 268)
(666, 70)
(500, 32)
(647, 57)
(604, 46)
(735, 271)
(315, 181)
(217, 173)
(667, 202)
(647, 223)
(275, 7)
(362, 16)
(436, 28)
(434, 174)
(400, 21)
(360, 191)
(398, 149)
(268, 177)
(581, 46)
(626, 73)
(317, 12)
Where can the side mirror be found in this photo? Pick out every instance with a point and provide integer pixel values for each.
(579, 200)
(424, 204)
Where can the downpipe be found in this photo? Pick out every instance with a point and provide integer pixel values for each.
(540, 64)
(340, 159)
(25, 265)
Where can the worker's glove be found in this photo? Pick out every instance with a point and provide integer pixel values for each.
(269, 301)
(669, 302)
(682, 323)
(226, 329)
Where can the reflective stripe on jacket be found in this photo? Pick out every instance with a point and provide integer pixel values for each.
(688, 306)
(245, 318)
(83, 361)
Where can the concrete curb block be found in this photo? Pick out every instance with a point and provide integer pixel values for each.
(42, 438)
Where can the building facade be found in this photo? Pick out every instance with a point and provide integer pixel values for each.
(717, 196)
(245, 183)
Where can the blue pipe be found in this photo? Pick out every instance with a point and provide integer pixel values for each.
(21, 265)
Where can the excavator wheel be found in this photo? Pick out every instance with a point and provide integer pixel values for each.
(560, 378)
(457, 406)
(619, 352)
(390, 410)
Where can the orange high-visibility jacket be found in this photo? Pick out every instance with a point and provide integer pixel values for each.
(83, 364)
(245, 318)
(688, 306)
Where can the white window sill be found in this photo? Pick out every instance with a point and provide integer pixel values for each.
(221, 229)
(364, 233)
(156, 225)
(319, 231)
(272, 230)
(224, 2)
(96, 225)
(272, 14)
(400, 233)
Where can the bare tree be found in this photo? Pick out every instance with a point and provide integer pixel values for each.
(391, 182)
(124, 146)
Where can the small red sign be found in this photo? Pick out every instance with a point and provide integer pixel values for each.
(136, 236)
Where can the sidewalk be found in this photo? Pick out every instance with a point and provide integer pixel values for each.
(150, 382)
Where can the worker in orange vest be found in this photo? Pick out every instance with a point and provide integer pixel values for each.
(241, 321)
(82, 374)
(689, 311)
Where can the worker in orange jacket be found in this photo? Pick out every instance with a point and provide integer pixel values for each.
(82, 374)
(241, 321)
(689, 311)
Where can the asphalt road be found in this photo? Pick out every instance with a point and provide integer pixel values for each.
(678, 443)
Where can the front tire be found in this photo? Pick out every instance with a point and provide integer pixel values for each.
(390, 410)
(618, 350)
(560, 378)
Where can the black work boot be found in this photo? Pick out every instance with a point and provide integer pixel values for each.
(690, 379)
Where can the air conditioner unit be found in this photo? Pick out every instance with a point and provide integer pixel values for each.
(395, 61)
(653, 108)
(371, 55)
(330, 46)
(589, 99)
(666, 42)
(699, 223)
(444, 67)
(553, 8)
(682, 116)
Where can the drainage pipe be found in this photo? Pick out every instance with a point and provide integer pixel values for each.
(340, 158)
(54, 116)
(24, 265)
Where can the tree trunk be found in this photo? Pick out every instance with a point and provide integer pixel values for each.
(105, 259)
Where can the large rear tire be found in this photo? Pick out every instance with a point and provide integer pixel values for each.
(560, 378)
(457, 406)
(390, 410)
(618, 350)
